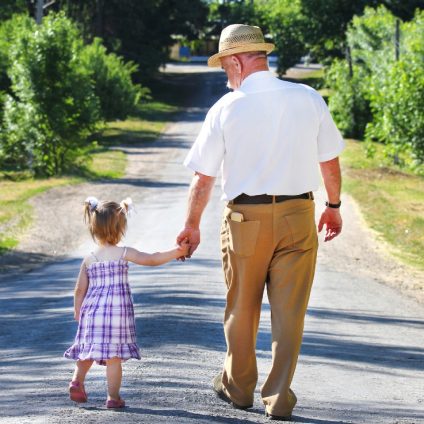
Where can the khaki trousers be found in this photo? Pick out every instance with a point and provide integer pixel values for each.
(275, 246)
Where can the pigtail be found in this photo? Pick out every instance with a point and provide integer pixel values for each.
(90, 206)
(126, 205)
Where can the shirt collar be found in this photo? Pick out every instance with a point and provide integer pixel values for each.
(256, 81)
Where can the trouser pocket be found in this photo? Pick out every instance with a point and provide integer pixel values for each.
(243, 237)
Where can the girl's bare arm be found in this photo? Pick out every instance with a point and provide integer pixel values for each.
(81, 287)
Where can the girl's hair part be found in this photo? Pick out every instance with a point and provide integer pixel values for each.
(107, 220)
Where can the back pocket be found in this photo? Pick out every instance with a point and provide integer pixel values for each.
(243, 237)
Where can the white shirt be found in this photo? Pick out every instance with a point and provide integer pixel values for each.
(267, 137)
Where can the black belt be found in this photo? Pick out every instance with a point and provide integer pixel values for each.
(244, 199)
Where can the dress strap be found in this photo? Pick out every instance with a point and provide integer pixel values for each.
(124, 253)
(95, 257)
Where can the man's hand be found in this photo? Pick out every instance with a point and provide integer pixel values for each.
(332, 220)
(192, 235)
(199, 193)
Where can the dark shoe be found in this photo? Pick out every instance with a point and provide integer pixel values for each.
(278, 417)
(218, 388)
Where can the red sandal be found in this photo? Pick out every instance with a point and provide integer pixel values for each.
(77, 392)
(112, 403)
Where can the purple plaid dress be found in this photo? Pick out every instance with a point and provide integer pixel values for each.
(106, 326)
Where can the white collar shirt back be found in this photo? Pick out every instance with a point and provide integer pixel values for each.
(267, 137)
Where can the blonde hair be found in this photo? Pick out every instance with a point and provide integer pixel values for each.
(106, 221)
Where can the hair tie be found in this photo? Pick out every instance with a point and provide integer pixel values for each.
(127, 205)
(92, 202)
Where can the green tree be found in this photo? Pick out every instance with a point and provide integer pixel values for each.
(371, 39)
(10, 7)
(140, 31)
(226, 13)
(348, 103)
(327, 22)
(397, 96)
(285, 23)
(53, 107)
(382, 98)
(113, 85)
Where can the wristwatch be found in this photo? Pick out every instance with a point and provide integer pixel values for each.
(333, 205)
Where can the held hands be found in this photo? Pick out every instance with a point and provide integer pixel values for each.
(332, 220)
(183, 248)
(192, 237)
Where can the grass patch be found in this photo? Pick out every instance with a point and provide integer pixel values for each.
(146, 125)
(15, 211)
(390, 199)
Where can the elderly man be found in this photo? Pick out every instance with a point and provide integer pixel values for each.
(267, 136)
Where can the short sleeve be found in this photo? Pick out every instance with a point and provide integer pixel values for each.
(330, 141)
(207, 152)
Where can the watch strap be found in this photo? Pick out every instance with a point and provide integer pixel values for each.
(333, 205)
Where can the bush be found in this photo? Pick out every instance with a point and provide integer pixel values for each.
(371, 39)
(392, 90)
(113, 85)
(348, 103)
(60, 92)
(397, 107)
(397, 96)
(8, 31)
(53, 108)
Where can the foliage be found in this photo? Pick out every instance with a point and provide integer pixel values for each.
(10, 7)
(227, 13)
(113, 85)
(371, 39)
(285, 22)
(327, 22)
(53, 107)
(392, 90)
(397, 107)
(325, 26)
(8, 29)
(140, 31)
(60, 92)
(348, 105)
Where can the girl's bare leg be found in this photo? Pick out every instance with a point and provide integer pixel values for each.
(81, 370)
(114, 377)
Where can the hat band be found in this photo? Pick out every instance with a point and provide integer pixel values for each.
(225, 45)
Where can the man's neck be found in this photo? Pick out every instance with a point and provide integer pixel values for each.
(254, 69)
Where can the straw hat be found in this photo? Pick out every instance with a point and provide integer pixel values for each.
(239, 38)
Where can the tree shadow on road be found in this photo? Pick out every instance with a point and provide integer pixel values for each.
(352, 350)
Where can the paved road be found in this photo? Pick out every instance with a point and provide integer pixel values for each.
(362, 359)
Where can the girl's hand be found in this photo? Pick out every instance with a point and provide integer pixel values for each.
(184, 247)
(76, 315)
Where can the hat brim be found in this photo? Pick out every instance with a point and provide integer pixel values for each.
(215, 60)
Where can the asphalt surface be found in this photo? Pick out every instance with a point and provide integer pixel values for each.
(362, 359)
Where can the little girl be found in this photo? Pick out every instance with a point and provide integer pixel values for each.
(103, 302)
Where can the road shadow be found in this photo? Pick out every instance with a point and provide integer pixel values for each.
(350, 350)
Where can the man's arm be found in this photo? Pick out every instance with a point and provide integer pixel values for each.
(331, 217)
(199, 194)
